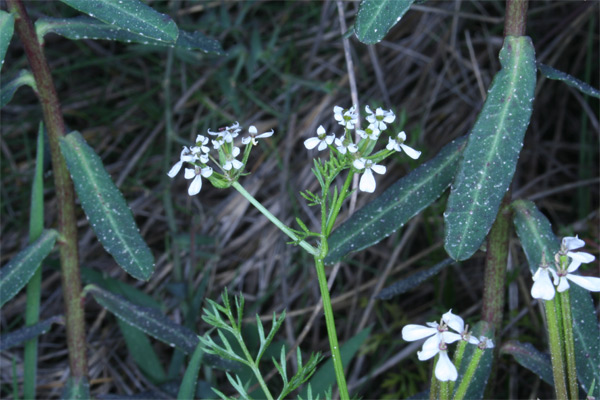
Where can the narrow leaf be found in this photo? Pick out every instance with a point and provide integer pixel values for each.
(84, 27)
(412, 281)
(15, 275)
(20, 336)
(131, 15)
(8, 89)
(376, 17)
(187, 390)
(530, 358)
(535, 232)
(7, 27)
(570, 80)
(398, 204)
(106, 208)
(491, 154)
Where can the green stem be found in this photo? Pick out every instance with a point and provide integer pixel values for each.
(283, 227)
(434, 385)
(468, 377)
(71, 282)
(567, 323)
(558, 368)
(444, 390)
(338, 205)
(458, 357)
(329, 321)
(515, 20)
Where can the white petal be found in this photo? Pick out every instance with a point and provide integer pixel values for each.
(445, 369)
(542, 286)
(361, 133)
(451, 337)
(392, 145)
(352, 148)
(329, 139)
(266, 134)
(237, 164)
(204, 158)
(430, 348)
(246, 140)
(312, 142)
(189, 173)
(235, 151)
(581, 257)
(338, 110)
(587, 282)
(572, 243)
(227, 166)
(206, 172)
(454, 321)
(252, 130)
(367, 182)
(390, 117)
(412, 153)
(401, 136)
(322, 145)
(380, 169)
(341, 149)
(563, 284)
(321, 130)
(195, 186)
(175, 169)
(359, 163)
(368, 110)
(414, 332)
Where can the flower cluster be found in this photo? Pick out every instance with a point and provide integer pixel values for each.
(544, 288)
(198, 157)
(358, 155)
(438, 337)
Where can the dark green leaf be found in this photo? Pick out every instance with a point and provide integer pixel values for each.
(7, 27)
(83, 27)
(106, 208)
(15, 275)
(8, 89)
(413, 281)
(376, 17)
(188, 384)
(535, 232)
(131, 15)
(491, 154)
(20, 336)
(528, 356)
(399, 203)
(570, 80)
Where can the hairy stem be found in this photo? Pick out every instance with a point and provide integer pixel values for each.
(515, 20)
(567, 324)
(556, 352)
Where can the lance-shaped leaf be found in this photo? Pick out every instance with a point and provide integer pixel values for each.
(535, 232)
(15, 275)
(187, 390)
(413, 281)
(490, 157)
(376, 17)
(131, 15)
(8, 89)
(530, 358)
(84, 27)
(7, 27)
(106, 209)
(570, 80)
(399, 203)
(20, 336)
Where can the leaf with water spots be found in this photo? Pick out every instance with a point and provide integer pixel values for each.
(535, 232)
(84, 27)
(570, 80)
(7, 27)
(131, 15)
(529, 357)
(399, 203)
(376, 17)
(106, 209)
(15, 275)
(490, 157)
(22, 335)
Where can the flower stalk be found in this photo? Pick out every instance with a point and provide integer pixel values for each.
(556, 351)
(569, 348)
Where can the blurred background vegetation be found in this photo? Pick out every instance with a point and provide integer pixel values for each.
(285, 69)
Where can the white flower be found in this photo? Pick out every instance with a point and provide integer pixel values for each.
(367, 181)
(455, 322)
(186, 156)
(230, 160)
(322, 140)
(380, 117)
(587, 282)
(371, 132)
(444, 368)
(542, 285)
(346, 118)
(398, 145)
(226, 134)
(344, 144)
(197, 174)
(485, 343)
(201, 142)
(254, 135)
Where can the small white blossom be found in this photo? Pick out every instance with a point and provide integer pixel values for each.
(196, 174)
(322, 140)
(254, 135)
(201, 142)
(371, 132)
(444, 368)
(230, 160)
(225, 135)
(542, 285)
(344, 144)
(186, 156)
(367, 181)
(398, 145)
(564, 276)
(485, 343)
(380, 117)
(346, 118)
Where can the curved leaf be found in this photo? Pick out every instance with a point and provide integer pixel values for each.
(376, 17)
(412, 281)
(84, 27)
(20, 336)
(8, 89)
(106, 208)
(131, 15)
(490, 157)
(535, 232)
(187, 390)
(399, 203)
(7, 27)
(15, 275)
(570, 80)
(528, 356)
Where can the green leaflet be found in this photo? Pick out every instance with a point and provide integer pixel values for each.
(537, 362)
(15, 275)
(84, 27)
(492, 151)
(535, 232)
(20, 336)
(187, 390)
(399, 203)
(106, 208)
(376, 17)
(131, 15)
(7, 27)
(8, 89)
(570, 80)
